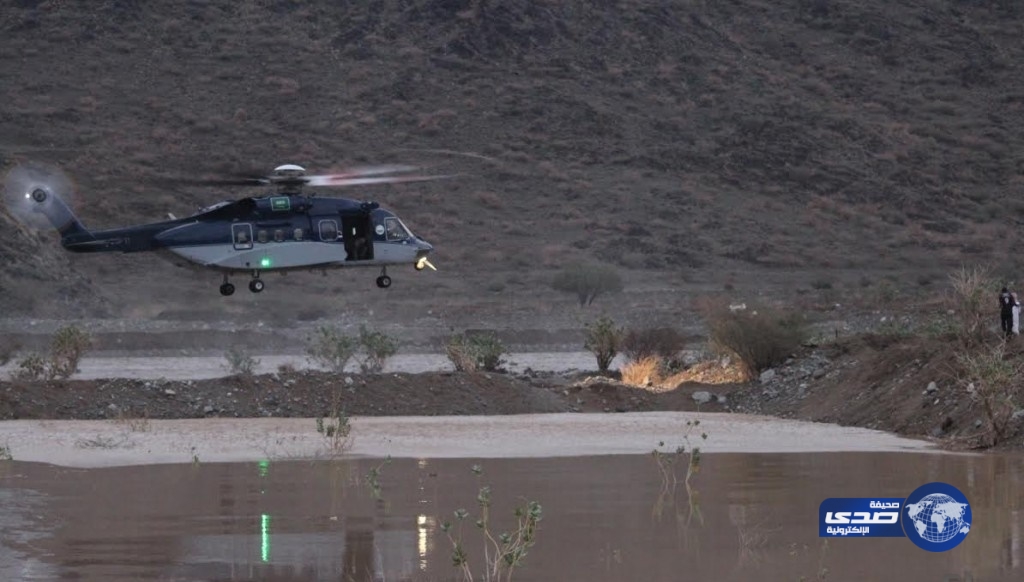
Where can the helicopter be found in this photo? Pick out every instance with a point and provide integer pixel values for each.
(285, 230)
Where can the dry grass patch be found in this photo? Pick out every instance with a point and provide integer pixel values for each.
(649, 374)
(643, 373)
(708, 372)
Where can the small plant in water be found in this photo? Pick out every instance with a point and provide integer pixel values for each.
(667, 462)
(821, 571)
(504, 552)
(373, 477)
(335, 427)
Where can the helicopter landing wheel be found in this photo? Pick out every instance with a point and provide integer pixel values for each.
(256, 285)
(383, 281)
(227, 289)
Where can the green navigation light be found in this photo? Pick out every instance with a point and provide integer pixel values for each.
(265, 262)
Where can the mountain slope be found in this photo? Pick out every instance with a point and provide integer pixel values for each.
(674, 140)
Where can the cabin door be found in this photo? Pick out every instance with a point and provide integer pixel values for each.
(356, 229)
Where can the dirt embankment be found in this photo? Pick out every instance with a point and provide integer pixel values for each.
(899, 384)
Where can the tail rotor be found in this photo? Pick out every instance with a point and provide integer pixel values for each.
(34, 195)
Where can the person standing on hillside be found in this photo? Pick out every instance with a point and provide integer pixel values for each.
(1016, 314)
(1006, 311)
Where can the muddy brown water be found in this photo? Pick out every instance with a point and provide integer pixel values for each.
(749, 517)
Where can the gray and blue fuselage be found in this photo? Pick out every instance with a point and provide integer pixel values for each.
(252, 234)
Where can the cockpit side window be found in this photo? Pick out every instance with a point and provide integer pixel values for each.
(395, 230)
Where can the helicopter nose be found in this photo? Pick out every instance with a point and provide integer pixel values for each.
(425, 247)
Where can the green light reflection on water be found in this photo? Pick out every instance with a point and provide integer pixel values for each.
(265, 541)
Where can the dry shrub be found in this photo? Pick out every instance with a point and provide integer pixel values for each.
(708, 372)
(587, 282)
(971, 300)
(758, 339)
(643, 372)
(993, 381)
(663, 342)
(490, 200)
(67, 348)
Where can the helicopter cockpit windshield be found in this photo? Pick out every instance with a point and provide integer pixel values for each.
(396, 231)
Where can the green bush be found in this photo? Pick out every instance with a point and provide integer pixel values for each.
(68, 346)
(587, 282)
(475, 352)
(603, 339)
(240, 362)
(377, 347)
(331, 348)
(31, 367)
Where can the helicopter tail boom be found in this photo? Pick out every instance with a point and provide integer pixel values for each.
(60, 216)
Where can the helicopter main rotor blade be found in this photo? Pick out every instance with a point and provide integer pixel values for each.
(340, 180)
(226, 182)
(346, 177)
(374, 170)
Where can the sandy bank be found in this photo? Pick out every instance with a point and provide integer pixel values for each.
(205, 367)
(110, 443)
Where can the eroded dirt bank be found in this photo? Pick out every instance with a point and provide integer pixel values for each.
(895, 384)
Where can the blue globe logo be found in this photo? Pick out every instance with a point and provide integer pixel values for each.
(937, 517)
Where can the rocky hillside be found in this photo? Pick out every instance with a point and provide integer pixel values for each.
(678, 141)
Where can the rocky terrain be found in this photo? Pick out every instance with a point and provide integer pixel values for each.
(898, 383)
(750, 145)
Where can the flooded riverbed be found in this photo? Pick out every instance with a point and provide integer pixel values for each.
(748, 517)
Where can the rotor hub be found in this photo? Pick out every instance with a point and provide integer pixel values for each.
(39, 195)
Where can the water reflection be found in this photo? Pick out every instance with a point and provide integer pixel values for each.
(321, 522)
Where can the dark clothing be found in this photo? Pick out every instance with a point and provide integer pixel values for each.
(1006, 311)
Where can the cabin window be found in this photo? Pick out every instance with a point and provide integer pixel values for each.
(262, 236)
(328, 230)
(298, 234)
(242, 235)
(279, 235)
(396, 231)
